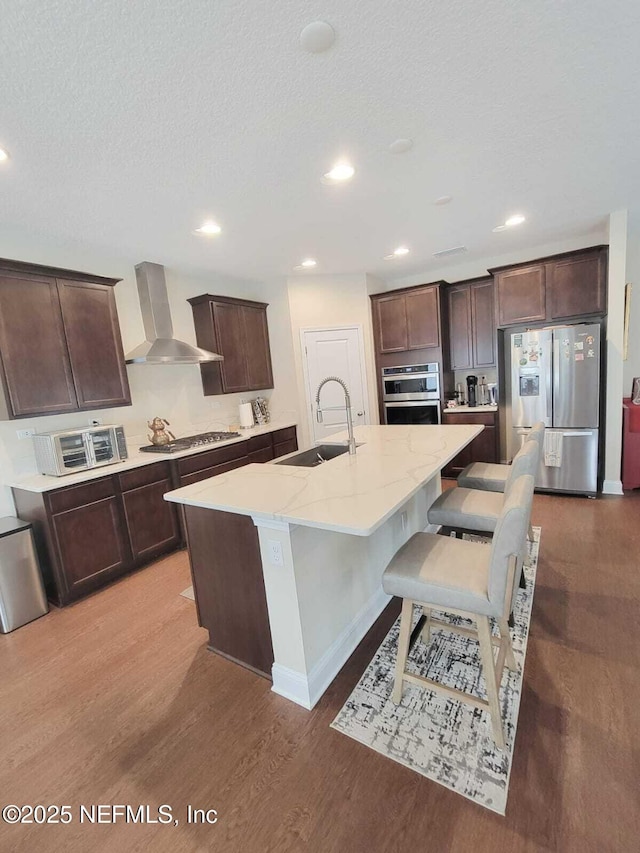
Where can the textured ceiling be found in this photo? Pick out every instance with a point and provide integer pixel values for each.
(129, 122)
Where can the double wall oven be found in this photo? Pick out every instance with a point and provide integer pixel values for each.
(411, 394)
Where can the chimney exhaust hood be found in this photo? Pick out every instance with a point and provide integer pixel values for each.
(160, 347)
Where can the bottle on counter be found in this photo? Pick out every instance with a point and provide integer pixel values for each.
(483, 394)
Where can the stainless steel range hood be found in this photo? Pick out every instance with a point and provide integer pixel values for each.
(160, 347)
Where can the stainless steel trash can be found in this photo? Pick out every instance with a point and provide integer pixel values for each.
(22, 595)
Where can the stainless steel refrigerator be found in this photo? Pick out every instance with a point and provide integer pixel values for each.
(555, 378)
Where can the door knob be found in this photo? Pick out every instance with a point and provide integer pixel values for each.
(360, 414)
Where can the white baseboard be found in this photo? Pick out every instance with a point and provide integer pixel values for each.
(612, 487)
(306, 690)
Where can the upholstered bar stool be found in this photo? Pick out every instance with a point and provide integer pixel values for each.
(468, 579)
(490, 476)
(478, 511)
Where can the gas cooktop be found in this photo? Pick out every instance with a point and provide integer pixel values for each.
(189, 441)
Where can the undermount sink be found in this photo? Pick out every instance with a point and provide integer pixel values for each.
(314, 456)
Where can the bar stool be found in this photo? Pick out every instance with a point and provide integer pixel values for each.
(468, 579)
(490, 476)
(476, 510)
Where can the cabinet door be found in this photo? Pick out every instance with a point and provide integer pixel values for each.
(213, 471)
(577, 286)
(484, 325)
(392, 323)
(521, 295)
(483, 448)
(95, 347)
(423, 318)
(229, 323)
(33, 349)
(256, 348)
(151, 521)
(460, 328)
(91, 546)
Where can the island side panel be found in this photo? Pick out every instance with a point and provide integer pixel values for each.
(229, 587)
(328, 593)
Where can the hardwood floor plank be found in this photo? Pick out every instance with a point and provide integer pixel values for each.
(116, 700)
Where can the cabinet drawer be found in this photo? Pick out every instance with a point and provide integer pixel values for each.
(143, 476)
(84, 493)
(264, 455)
(284, 434)
(259, 442)
(284, 447)
(209, 458)
(213, 471)
(488, 418)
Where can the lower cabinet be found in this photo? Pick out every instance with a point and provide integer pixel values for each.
(483, 448)
(91, 533)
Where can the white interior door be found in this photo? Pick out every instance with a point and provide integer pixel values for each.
(334, 352)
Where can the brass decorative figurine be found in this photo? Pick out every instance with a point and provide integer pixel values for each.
(160, 435)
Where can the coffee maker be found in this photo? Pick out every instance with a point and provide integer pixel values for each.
(472, 384)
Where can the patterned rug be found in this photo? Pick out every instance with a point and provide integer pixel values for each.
(446, 740)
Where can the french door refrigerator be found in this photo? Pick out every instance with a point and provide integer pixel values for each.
(555, 378)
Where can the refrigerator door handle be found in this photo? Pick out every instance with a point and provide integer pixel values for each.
(553, 390)
(583, 432)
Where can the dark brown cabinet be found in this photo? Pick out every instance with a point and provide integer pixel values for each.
(228, 585)
(521, 295)
(91, 533)
(236, 329)
(408, 320)
(483, 448)
(152, 522)
(555, 288)
(60, 346)
(472, 331)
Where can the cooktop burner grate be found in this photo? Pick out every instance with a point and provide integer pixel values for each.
(190, 441)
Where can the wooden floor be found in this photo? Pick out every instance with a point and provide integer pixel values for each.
(116, 700)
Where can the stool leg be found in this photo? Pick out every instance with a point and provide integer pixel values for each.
(489, 670)
(403, 648)
(425, 634)
(506, 639)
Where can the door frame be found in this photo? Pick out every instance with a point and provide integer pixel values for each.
(305, 372)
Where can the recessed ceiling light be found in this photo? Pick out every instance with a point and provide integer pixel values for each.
(399, 146)
(397, 253)
(209, 228)
(307, 264)
(317, 37)
(444, 199)
(340, 172)
(517, 219)
(4, 155)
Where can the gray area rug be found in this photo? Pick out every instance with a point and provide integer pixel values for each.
(446, 740)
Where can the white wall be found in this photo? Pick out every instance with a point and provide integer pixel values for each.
(320, 301)
(615, 320)
(170, 391)
(632, 364)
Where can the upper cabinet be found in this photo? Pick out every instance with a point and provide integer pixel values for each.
(60, 345)
(236, 329)
(407, 320)
(472, 324)
(557, 288)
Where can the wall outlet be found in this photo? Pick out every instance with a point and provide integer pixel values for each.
(25, 433)
(95, 421)
(276, 557)
(404, 521)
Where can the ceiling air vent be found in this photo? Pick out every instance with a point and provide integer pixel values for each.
(456, 250)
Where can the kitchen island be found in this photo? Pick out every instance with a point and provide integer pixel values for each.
(324, 537)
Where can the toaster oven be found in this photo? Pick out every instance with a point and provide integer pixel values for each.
(66, 451)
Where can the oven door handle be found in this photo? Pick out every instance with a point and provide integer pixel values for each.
(413, 403)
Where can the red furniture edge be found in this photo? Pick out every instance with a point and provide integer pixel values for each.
(630, 444)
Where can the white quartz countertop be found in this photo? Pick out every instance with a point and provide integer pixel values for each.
(463, 409)
(348, 494)
(46, 482)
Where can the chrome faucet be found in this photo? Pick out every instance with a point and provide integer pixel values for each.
(347, 403)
